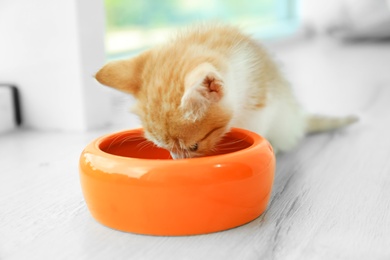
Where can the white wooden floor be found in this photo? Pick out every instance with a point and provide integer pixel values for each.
(331, 197)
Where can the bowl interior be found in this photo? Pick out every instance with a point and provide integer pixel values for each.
(134, 145)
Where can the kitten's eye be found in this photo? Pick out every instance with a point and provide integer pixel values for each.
(193, 148)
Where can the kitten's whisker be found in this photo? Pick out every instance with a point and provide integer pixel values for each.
(214, 149)
(144, 144)
(126, 139)
(227, 149)
(230, 143)
(113, 141)
(119, 137)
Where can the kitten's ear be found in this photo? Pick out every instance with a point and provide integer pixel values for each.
(123, 75)
(203, 87)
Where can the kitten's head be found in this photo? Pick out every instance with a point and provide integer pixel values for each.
(180, 103)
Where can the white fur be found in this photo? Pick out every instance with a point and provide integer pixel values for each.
(281, 121)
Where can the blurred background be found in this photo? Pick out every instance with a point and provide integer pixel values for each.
(50, 50)
(135, 25)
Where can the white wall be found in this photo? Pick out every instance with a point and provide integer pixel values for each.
(50, 50)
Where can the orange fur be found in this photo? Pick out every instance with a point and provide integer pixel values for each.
(158, 77)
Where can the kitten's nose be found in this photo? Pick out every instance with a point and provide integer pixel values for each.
(178, 155)
(175, 156)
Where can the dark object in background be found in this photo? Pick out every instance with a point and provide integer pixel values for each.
(10, 114)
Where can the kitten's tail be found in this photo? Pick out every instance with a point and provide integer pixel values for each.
(319, 123)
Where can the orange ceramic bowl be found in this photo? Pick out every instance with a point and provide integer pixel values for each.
(134, 186)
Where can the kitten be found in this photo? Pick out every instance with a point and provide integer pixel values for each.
(193, 89)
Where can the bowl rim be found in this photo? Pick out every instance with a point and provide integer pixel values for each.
(256, 141)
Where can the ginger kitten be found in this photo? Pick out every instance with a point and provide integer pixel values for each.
(193, 89)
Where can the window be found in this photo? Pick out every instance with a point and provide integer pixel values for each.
(134, 25)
